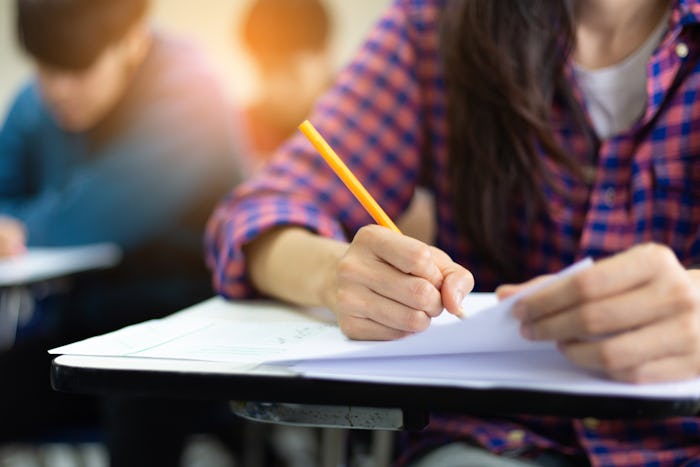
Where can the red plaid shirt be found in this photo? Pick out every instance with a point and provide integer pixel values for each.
(386, 117)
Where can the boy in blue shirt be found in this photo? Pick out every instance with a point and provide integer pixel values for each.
(122, 136)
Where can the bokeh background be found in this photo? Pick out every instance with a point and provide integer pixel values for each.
(214, 25)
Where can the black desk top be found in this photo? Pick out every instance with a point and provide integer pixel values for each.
(217, 381)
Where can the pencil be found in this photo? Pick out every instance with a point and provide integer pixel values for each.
(346, 176)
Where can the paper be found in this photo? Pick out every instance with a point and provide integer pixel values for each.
(249, 333)
(493, 329)
(265, 333)
(39, 264)
(221, 339)
(540, 370)
(483, 351)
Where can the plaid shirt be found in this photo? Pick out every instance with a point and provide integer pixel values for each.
(386, 117)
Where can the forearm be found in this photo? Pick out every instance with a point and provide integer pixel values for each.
(295, 265)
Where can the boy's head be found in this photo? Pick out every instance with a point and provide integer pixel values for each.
(85, 52)
(275, 31)
(289, 41)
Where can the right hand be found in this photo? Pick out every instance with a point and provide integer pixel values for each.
(12, 237)
(388, 285)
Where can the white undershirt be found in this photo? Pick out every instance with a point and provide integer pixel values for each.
(616, 96)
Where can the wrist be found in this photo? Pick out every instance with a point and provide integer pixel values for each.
(327, 287)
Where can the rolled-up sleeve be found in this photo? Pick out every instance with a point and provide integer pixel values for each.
(372, 118)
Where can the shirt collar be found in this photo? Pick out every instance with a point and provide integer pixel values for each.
(685, 12)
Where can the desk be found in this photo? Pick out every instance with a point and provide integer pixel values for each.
(160, 377)
(213, 380)
(40, 265)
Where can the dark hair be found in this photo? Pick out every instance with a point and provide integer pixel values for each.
(274, 30)
(504, 67)
(71, 34)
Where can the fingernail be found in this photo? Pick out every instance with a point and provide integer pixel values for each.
(526, 332)
(460, 313)
(459, 297)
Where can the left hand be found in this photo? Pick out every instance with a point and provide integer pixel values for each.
(13, 237)
(634, 316)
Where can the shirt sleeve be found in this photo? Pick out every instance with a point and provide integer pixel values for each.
(371, 117)
(140, 184)
(15, 148)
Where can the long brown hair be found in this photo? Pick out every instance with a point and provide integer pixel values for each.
(504, 65)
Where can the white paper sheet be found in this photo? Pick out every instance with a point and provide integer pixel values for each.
(271, 333)
(39, 264)
(240, 333)
(484, 350)
(492, 329)
(542, 370)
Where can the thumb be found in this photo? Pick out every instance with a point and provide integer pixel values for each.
(457, 284)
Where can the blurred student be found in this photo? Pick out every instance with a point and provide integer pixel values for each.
(288, 41)
(553, 131)
(123, 135)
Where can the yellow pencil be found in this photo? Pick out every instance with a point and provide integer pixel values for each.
(347, 177)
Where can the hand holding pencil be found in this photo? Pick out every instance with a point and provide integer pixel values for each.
(388, 285)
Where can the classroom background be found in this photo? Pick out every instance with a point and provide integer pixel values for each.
(211, 23)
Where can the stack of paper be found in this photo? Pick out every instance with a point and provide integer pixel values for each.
(484, 350)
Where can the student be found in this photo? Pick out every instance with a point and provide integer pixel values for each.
(124, 136)
(552, 131)
(288, 41)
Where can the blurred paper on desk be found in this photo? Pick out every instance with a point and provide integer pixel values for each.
(39, 264)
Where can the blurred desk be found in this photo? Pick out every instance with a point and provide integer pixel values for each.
(39, 265)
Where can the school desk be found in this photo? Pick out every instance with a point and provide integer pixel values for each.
(39, 265)
(167, 358)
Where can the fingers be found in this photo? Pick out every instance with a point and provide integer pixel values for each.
(388, 285)
(366, 329)
(676, 368)
(363, 314)
(457, 283)
(414, 258)
(610, 315)
(634, 316)
(622, 354)
(605, 278)
(406, 254)
(12, 237)
(413, 292)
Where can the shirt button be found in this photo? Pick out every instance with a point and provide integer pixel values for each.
(591, 423)
(516, 436)
(609, 196)
(682, 49)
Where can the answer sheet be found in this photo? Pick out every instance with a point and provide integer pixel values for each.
(245, 333)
